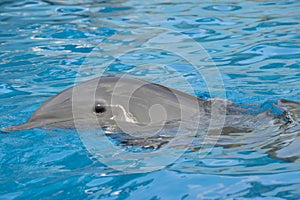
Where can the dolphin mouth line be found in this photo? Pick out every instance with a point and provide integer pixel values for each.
(128, 116)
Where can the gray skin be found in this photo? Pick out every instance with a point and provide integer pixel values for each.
(111, 101)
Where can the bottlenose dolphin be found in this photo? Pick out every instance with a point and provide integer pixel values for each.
(111, 101)
(126, 107)
(137, 105)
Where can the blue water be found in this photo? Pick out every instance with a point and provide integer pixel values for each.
(46, 46)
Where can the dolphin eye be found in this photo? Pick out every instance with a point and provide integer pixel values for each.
(99, 108)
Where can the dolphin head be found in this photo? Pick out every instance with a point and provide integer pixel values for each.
(111, 101)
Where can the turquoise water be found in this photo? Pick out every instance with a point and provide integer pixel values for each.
(45, 46)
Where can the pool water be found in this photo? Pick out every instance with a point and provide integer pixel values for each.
(253, 48)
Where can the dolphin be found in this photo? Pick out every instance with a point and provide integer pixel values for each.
(135, 105)
(126, 108)
(110, 101)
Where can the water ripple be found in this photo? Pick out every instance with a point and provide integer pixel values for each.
(254, 44)
(222, 8)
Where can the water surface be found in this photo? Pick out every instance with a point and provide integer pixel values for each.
(45, 45)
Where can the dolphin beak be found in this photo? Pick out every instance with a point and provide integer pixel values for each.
(25, 126)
